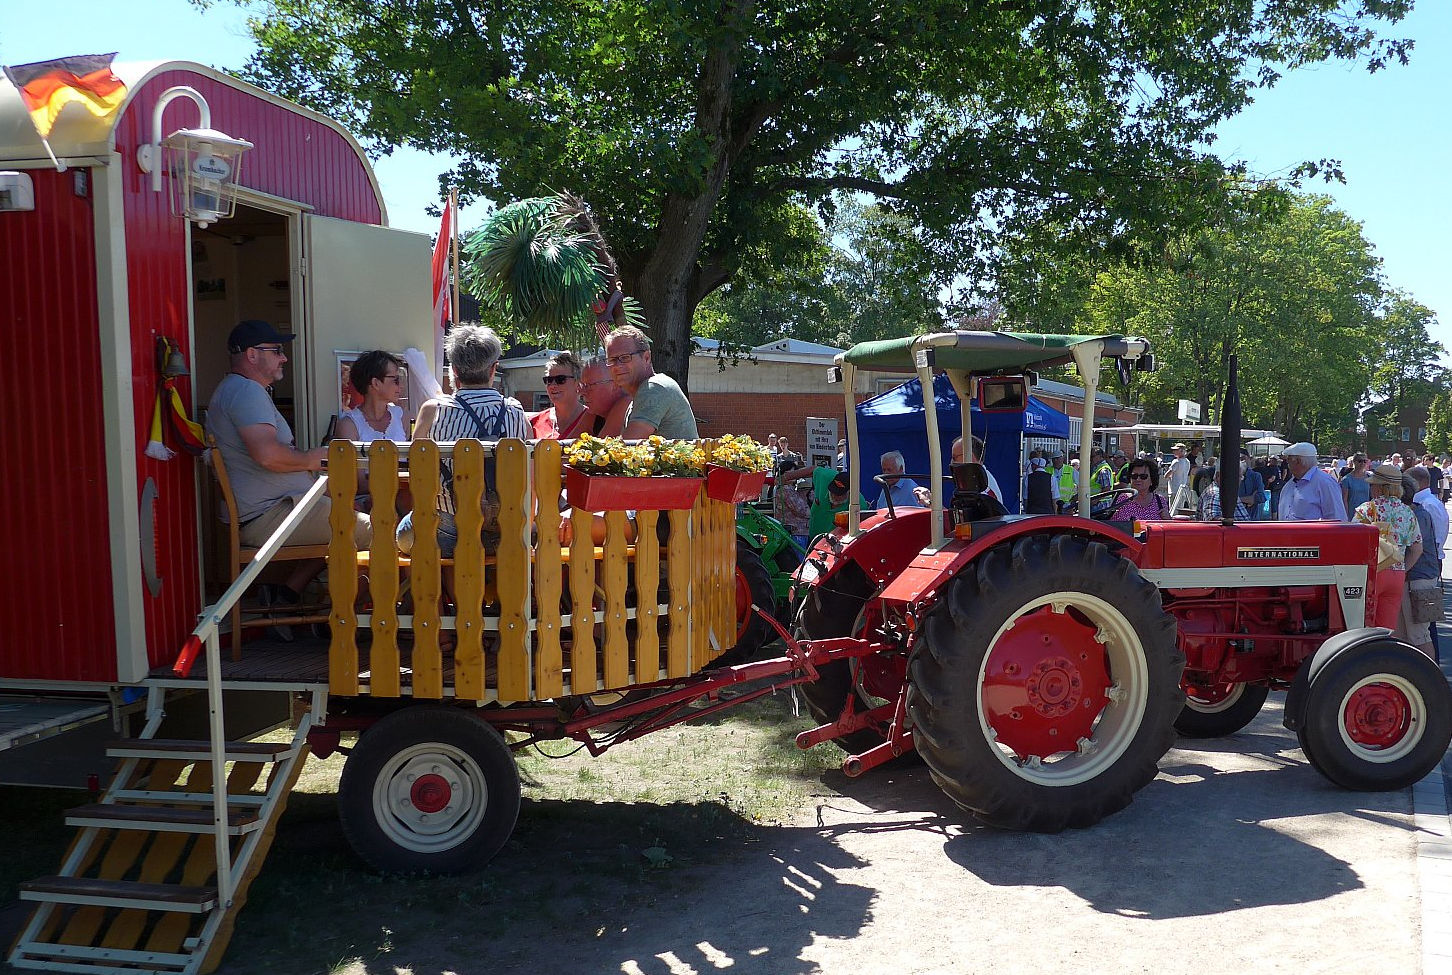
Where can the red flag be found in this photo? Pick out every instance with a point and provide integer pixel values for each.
(441, 280)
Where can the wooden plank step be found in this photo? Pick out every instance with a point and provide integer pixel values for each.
(120, 893)
(179, 748)
(115, 815)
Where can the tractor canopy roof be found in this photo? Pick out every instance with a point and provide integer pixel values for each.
(984, 352)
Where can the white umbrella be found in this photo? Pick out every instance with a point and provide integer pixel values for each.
(1270, 440)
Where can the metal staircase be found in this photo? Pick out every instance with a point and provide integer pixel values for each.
(162, 863)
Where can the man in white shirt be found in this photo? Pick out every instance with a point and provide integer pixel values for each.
(1178, 475)
(1309, 494)
(1426, 498)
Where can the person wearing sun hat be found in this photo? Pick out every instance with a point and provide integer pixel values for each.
(1309, 493)
(1399, 543)
(1178, 475)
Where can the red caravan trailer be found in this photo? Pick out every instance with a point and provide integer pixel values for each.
(106, 575)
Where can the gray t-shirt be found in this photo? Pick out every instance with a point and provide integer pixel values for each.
(240, 402)
(660, 402)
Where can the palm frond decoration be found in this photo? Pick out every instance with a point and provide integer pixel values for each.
(544, 265)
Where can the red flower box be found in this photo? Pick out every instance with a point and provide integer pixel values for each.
(611, 492)
(725, 484)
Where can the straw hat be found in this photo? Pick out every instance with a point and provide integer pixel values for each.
(1389, 475)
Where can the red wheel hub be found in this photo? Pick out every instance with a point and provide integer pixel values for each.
(1045, 683)
(1377, 716)
(1209, 694)
(430, 793)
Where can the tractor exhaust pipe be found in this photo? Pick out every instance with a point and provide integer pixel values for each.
(1230, 445)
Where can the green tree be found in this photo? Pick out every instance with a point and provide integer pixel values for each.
(694, 128)
(1285, 280)
(1439, 423)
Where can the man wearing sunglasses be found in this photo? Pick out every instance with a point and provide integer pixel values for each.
(268, 471)
(658, 405)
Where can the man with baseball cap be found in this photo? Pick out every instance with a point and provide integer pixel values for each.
(267, 470)
(1178, 476)
(1309, 494)
(831, 500)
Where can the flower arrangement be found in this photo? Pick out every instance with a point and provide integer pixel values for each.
(741, 454)
(654, 456)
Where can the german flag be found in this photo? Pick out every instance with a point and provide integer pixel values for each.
(49, 86)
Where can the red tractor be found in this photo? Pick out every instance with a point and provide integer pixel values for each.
(1041, 665)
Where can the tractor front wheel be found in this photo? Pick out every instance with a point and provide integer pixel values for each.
(1377, 717)
(1045, 686)
(429, 788)
(1217, 710)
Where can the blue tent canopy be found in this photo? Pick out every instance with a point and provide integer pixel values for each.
(894, 420)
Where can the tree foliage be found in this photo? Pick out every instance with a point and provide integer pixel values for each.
(1287, 281)
(699, 129)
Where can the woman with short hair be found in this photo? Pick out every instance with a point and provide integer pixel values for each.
(567, 416)
(1147, 504)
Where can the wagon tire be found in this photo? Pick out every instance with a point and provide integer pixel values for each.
(1377, 717)
(1214, 712)
(429, 789)
(832, 609)
(1046, 684)
(753, 585)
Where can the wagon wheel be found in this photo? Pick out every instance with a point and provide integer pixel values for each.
(1045, 686)
(429, 788)
(1217, 710)
(838, 607)
(1377, 717)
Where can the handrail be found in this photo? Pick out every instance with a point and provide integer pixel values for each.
(206, 635)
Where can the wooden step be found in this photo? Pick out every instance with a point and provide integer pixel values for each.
(84, 958)
(184, 749)
(168, 819)
(120, 893)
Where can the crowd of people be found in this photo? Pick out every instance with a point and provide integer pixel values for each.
(617, 394)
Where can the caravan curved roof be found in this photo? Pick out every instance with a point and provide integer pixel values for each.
(79, 136)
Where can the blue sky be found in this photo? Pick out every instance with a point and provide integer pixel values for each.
(1390, 130)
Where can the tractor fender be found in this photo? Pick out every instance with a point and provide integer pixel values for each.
(752, 540)
(882, 547)
(920, 582)
(1340, 643)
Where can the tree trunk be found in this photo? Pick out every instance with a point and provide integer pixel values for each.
(669, 284)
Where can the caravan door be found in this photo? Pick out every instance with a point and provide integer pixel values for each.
(365, 287)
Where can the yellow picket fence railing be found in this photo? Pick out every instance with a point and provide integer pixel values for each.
(533, 619)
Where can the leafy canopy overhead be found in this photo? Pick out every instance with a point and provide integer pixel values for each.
(696, 129)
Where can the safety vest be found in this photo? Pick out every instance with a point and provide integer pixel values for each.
(1066, 482)
(1104, 476)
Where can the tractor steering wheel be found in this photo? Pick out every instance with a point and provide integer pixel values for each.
(1102, 504)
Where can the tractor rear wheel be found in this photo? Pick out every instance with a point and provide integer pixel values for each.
(1377, 717)
(1045, 686)
(1217, 710)
(835, 608)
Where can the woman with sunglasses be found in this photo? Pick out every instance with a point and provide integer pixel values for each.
(567, 416)
(376, 377)
(1146, 505)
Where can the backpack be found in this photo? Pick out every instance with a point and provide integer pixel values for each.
(489, 501)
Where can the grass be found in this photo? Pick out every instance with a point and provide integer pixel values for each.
(595, 836)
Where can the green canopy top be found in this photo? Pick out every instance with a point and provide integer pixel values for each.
(984, 352)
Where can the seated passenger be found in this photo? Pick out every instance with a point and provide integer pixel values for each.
(1147, 504)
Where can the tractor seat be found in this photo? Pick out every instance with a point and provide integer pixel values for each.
(971, 502)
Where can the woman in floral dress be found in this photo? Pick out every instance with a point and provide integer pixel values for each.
(1400, 543)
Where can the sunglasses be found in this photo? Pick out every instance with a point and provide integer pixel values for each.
(557, 380)
(274, 349)
(1139, 477)
(621, 360)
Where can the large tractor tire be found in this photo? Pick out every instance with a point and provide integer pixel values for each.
(429, 788)
(753, 585)
(1045, 686)
(1214, 711)
(832, 609)
(1377, 717)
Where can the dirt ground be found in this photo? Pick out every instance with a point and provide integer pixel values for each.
(1238, 858)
